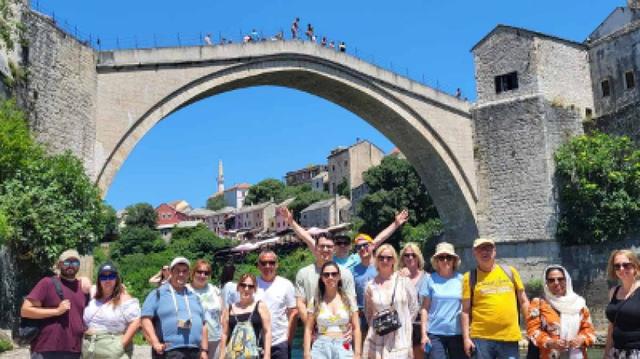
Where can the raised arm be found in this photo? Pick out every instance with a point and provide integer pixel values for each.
(400, 219)
(300, 232)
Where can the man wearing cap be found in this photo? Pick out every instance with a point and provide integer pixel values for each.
(363, 272)
(172, 318)
(491, 295)
(278, 294)
(59, 303)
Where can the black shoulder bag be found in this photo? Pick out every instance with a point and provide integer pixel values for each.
(387, 321)
(30, 328)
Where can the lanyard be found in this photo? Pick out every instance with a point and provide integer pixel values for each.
(175, 301)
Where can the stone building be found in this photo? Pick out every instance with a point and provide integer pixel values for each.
(320, 182)
(304, 175)
(322, 214)
(348, 164)
(234, 196)
(257, 218)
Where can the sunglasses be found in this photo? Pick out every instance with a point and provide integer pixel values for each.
(268, 263)
(626, 266)
(246, 286)
(203, 272)
(556, 280)
(409, 255)
(330, 274)
(361, 246)
(385, 258)
(71, 263)
(110, 276)
(446, 257)
(342, 243)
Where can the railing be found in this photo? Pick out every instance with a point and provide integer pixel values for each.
(220, 39)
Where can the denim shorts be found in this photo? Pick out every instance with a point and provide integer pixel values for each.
(331, 348)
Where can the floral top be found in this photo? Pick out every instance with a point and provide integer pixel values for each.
(544, 324)
(329, 322)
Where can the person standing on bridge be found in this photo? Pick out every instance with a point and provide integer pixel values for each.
(309, 32)
(207, 39)
(343, 47)
(294, 28)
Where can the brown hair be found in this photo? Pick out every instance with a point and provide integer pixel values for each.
(245, 276)
(118, 289)
(631, 255)
(199, 262)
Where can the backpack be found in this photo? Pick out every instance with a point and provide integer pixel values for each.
(243, 343)
(30, 328)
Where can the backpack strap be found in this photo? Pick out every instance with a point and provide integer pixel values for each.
(473, 279)
(57, 285)
(509, 272)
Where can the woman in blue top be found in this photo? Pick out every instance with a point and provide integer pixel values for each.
(441, 305)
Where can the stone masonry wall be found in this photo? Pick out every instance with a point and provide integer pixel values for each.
(514, 146)
(60, 95)
(625, 122)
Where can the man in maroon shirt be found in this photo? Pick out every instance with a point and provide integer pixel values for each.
(61, 325)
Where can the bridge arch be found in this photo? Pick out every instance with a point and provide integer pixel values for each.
(139, 88)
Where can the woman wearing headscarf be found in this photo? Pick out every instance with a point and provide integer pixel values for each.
(559, 324)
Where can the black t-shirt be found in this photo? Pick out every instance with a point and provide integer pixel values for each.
(625, 316)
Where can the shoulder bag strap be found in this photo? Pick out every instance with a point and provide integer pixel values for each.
(58, 287)
(393, 295)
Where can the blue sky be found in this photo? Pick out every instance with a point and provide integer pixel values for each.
(266, 131)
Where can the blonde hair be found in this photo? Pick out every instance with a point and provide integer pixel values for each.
(417, 252)
(393, 253)
(631, 255)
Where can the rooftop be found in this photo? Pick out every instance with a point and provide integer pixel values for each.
(519, 30)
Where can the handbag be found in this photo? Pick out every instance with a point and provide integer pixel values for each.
(387, 321)
(30, 328)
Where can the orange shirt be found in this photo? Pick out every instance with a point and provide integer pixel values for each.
(543, 323)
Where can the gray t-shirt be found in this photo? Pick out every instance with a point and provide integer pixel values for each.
(307, 283)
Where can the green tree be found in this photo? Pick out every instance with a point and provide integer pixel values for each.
(137, 240)
(17, 148)
(198, 242)
(110, 221)
(216, 202)
(5, 229)
(140, 215)
(343, 188)
(264, 191)
(394, 185)
(599, 188)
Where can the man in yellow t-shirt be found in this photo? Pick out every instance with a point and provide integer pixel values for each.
(490, 324)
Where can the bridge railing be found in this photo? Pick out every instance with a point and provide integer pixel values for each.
(102, 43)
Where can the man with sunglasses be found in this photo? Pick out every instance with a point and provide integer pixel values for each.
(59, 303)
(363, 273)
(279, 296)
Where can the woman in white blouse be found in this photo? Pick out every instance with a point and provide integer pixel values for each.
(112, 317)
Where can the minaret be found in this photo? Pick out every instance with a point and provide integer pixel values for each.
(220, 177)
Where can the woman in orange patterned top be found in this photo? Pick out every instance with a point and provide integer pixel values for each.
(559, 324)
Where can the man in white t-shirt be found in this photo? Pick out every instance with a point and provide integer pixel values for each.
(279, 295)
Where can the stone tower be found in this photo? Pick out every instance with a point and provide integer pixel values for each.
(220, 177)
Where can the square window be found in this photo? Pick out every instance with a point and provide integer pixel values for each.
(629, 80)
(606, 90)
(506, 82)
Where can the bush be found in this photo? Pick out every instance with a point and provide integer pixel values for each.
(5, 345)
(534, 288)
(599, 189)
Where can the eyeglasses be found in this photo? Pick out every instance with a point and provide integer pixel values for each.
(325, 246)
(362, 246)
(342, 243)
(556, 280)
(446, 257)
(203, 272)
(385, 258)
(110, 276)
(409, 255)
(268, 263)
(246, 286)
(71, 263)
(330, 274)
(626, 266)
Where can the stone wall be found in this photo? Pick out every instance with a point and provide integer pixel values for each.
(625, 122)
(60, 95)
(514, 146)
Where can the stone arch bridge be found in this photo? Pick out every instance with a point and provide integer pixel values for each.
(138, 88)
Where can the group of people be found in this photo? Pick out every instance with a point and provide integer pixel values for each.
(363, 302)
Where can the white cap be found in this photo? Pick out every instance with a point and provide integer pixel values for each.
(179, 260)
